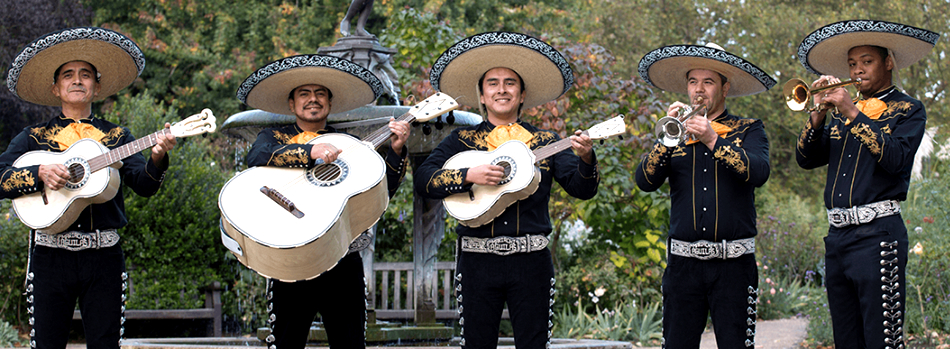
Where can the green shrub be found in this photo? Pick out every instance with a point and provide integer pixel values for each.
(627, 322)
(927, 215)
(14, 249)
(819, 320)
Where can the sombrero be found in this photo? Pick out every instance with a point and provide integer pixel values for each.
(267, 88)
(666, 68)
(546, 74)
(116, 57)
(825, 51)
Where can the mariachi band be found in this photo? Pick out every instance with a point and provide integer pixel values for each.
(322, 189)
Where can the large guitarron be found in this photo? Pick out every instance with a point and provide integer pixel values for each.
(483, 203)
(294, 224)
(94, 175)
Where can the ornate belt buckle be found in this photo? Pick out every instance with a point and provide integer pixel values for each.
(702, 250)
(838, 217)
(864, 214)
(502, 245)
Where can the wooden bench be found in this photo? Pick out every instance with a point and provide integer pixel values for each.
(394, 300)
(211, 311)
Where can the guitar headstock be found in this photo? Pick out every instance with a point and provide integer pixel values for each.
(612, 127)
(203, 122)
(433, 106)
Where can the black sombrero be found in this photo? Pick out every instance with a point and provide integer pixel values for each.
(825, 51)
(666, 68)
(117, 59)
(267, 88)
(545, 72)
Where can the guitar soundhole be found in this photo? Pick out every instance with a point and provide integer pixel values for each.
(326, 175)
(509, 167)
(78, 168)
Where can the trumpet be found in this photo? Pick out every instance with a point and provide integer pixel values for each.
(797, 93)
(671, 130)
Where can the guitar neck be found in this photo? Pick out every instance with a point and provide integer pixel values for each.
(124, 151)
(382, 134)
(553, 148)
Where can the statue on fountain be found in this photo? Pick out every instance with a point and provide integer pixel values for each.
(361, 9)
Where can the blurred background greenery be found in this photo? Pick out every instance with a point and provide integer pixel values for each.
(609, 251)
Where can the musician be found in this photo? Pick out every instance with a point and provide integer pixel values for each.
(73, 68)
(310, 87)
(713, 175)
(504, 73)
(869, 147)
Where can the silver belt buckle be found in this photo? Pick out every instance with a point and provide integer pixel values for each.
(838, 217)
(703, 250)
(502, 245)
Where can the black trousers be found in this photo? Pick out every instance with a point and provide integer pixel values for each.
(865, 278)
(339, 295)
(725, 289)
(485, 282)
(58, 277)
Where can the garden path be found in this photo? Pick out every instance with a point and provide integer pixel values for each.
(769, 334)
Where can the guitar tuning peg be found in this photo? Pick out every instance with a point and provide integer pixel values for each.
(620, 137)
(601, 142)
(415, 124)
(438, 124)
(426, 129)
(451, 118)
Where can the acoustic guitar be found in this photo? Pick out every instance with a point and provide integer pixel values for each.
(93, 172)
(294, 224)
(483, 203)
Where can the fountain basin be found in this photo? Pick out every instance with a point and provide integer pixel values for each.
(250, 342)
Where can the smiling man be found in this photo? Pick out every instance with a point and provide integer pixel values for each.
(869, 147)
(504, 73)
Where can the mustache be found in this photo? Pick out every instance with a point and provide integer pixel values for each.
(74, 89)
(313, 104)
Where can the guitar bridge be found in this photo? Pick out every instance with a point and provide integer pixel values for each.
(282, 200)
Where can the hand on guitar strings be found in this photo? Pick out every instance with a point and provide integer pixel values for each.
(583, 146)
(54, 176)
(485, 174)
(400, 130)
(163, 143)
(325, 152)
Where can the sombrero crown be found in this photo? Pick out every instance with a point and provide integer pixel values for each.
(544, 71)
(825, 51)
(267, 88)
(116, 57)
(667, 67)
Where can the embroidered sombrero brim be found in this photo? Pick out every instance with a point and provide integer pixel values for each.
(825, 51)
(666, 68)
(267, 88)
(116, 57)
(545, 72)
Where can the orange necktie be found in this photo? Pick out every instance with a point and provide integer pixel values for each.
(304, 137)
(76, 131)
(504, 133)
(719, 128)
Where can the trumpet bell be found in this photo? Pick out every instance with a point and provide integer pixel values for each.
(796, 94)
(670, 131)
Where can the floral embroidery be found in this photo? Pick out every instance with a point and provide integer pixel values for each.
(44, 135)
(291, 157)
(804, 135)
(281, 137)
(738, 142)
(679, 151)
(18, 179)
(867, 137)
(446, 178)
(653, 159)
(541, 138)
(474, 139)
(886, 129)
(835, 133)
(112, 137)
(731, 158)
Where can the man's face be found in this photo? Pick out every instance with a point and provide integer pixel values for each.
(501, 92)
(707, 84)
(310, 103)
(76, 83)
(867, 63)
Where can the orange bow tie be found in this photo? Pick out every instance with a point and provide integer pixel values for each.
(304, 137)
(504, 133)
(872, 107)
(719, 128)
(76, 131)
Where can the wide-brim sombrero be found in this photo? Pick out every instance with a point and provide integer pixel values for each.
(545, 72)
(825, 51)
(667, 67)
(117, 59)
(352, 85)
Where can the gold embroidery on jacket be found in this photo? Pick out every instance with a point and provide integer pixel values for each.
(678, 151)
(835, 133)
(738, 142)
(474, 139)
(447, 177)
(731, 158)
(19, 179)
(886, 129)
(804, 135)
(295, 156)
(541, 138)
(281, 137)
(112, 137)
(44, 135)
(896, 109)
(653, 159)
(867, 137)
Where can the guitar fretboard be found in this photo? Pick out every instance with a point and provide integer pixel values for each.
(124, 151)
(553, 148)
